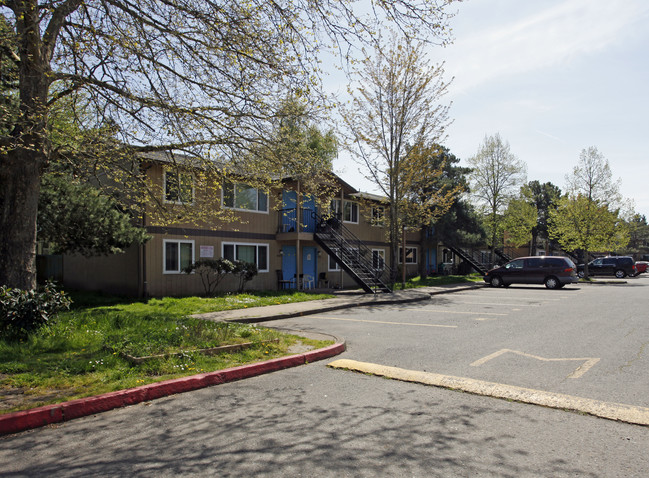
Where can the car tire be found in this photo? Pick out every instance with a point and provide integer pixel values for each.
(620, 274)
(581, 274)
(496, 281)
(552, 282)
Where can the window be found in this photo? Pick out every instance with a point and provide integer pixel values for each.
(177, 255)
(350, 212)
(333, 265)
(411, 255)
(378, 216)
(257, 254)
(334, 207)
(517, 264)
(178, 187)
(244, 197)
(378, 259)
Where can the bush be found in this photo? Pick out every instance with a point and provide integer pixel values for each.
(245, 271)
(23, 312)
(212, 272)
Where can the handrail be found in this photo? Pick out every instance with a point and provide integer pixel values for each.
(352, 250)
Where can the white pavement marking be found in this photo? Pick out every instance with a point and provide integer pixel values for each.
(496, 303)
(446, 311)
(382, 322)
(589, 362)
(611, 411)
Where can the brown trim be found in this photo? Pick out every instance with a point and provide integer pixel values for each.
(182, 231)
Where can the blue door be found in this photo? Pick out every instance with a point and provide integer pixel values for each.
(289, 211)
(289, 264)
(310, 262)
(308, 216)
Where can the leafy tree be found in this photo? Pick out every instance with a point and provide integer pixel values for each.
(519, 221)
(592, 178)
(202, 77)
(397, 104)
(76, 218)
(495, 177)
(638, 234)
(586, 224)
(545, 198)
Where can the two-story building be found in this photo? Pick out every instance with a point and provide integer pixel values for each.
(293, 239)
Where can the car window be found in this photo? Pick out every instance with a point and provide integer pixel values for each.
(597, 262)
(534, 262)
(609, 261)
(517, 264)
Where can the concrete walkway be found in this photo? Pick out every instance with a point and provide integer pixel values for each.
(343, 300)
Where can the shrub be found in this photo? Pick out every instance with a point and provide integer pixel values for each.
(212, 272)
(22, 312)
(245, 271)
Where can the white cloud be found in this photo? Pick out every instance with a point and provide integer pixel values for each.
(508, 45)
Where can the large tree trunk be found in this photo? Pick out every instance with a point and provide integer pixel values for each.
(19, 188)
(23, 155)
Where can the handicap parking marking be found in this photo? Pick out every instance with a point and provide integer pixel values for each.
(383, 322)
(588, 362)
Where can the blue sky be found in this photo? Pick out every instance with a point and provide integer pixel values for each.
(552, 77)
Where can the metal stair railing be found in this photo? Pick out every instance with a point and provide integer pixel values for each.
(478, 266)
(503, 255)
(352, 254)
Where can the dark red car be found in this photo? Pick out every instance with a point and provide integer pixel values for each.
(641, 266)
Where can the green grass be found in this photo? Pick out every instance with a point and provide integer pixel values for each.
(81, 352)
(432, 281)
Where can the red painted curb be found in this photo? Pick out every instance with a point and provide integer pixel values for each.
(38, 417)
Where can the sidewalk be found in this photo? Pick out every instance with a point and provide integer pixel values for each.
(343, 300)
(38, 417)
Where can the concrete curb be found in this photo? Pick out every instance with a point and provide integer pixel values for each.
(66, 411)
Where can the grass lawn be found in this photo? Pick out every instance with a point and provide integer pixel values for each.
(432, 281)
(83, 352)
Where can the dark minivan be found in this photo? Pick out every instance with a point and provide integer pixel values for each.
(553, 271)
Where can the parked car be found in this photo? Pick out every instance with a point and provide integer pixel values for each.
(553, 271)
(618, 266)
(640, 267)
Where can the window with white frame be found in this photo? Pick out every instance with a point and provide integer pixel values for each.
(177, 255)
(256, 254)
(378, 259)
(244, 197)
(333, 265)
(334, 207)
(178, 187)
(411, 255)
(350, 212)
(378, 216)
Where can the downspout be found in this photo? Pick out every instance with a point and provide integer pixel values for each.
(298, 255)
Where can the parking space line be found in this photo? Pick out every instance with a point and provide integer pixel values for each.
(611, 411)
(498, 304)
(446, 311)
(589, 362)
(382, 322)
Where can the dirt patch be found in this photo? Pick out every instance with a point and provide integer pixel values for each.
(299, 348)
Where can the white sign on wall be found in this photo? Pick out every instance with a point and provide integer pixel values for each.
(207, 251)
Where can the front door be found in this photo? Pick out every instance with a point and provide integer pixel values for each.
(289, 264)
(309, 262)
(289, 211)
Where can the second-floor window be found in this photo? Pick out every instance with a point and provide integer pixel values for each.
(244, 197)
(350, 212)
(178, 187)
(378, 216)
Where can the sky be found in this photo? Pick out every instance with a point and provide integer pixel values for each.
(552, 77)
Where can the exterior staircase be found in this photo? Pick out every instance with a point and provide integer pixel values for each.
(472, 261)
(353, 256)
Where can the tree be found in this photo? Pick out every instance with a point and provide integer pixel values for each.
(592, 206)
(396, 104)
(544, 197)
(496, 174)
(519, 221)
(638, 234)
(203, 78)
(586, 224)
(76, 218)
(592, 178)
